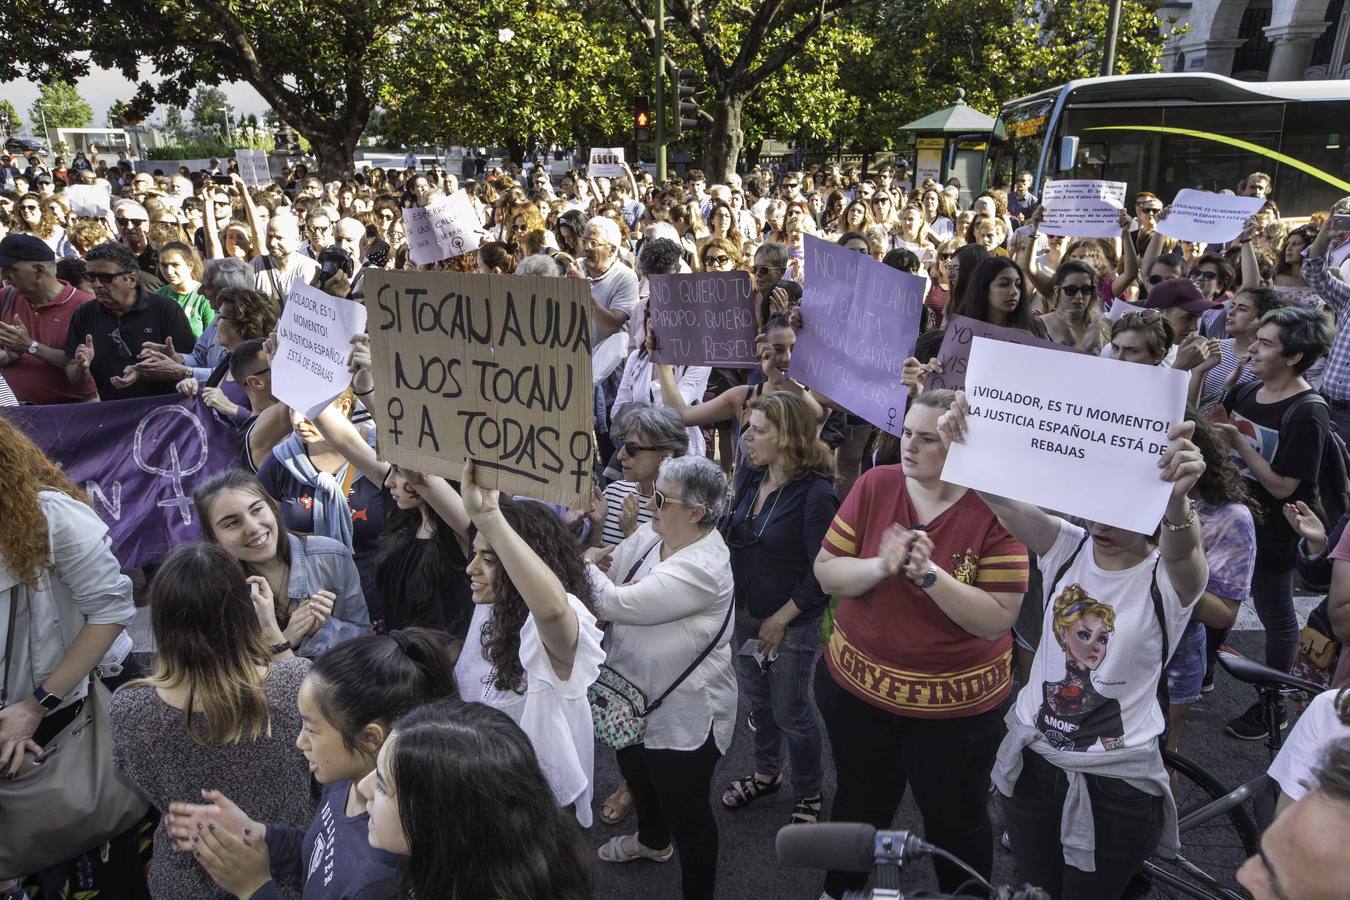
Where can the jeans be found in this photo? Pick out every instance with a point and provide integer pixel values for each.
(671, 794)
(1126, 821)
(947, 762)
(780, 701)
(1273, 597)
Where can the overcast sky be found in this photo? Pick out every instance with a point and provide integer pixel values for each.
(101, 88)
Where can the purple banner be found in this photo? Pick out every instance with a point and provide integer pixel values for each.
(139, 461)
(860, 320)
(704, 319)
(955, 351)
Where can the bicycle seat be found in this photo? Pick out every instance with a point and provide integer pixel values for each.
(1244, 669)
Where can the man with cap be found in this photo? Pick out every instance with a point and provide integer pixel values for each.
(1181, 304)
(133, 229)
(106, 337)
(36, 310)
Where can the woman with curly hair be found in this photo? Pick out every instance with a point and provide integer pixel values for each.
(35, 217)
(533, 648)
(1288, 276)
(60, 574)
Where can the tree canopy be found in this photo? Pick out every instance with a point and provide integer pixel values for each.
(59, 105)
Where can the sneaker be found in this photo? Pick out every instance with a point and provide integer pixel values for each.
(1251, 725)
(1207, 684)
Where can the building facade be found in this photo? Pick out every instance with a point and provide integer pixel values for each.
(1259, 40)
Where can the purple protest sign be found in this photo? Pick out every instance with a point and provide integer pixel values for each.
(704, 319)
(139, 461)
(954, 354)
(860, 322)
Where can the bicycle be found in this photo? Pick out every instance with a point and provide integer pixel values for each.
(1218, 833)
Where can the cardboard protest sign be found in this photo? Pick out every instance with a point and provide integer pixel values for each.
(606, 162)
(704, 319)
(445, 229)
(1205, 217)
(314, 336)
(90, 201)
(955, 351)
(860, 321)
(1082, 208)
(253, 167)
(496, 367)
(139, 461)
(1068, 431)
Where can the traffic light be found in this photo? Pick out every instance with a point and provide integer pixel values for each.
(642, 119)
(686, 110)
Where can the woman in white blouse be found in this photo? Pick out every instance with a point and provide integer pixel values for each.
(533, 647)
(667, 597)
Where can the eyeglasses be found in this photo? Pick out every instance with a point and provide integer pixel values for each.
(30, 207)
(767, 270)
(262, 371)
(946, 255)
(592, 242)
(716, 260)
(116, 335)
(1074, 290)
(1148, 210)
(1156, 279)
(1203, 275)
(387, 216)
(124, 222)
(632, 447)
(661, 499)
(106, 277)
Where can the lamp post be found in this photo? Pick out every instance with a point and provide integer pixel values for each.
(1112, 30)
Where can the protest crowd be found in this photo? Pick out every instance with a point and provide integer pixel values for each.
(370, 681)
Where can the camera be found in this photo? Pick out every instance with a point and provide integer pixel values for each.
(333, 260)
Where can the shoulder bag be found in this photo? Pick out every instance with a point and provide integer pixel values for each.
(619, 708)
(70, 799)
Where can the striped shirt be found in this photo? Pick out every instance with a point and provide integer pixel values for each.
(615, 493)
(1336, 377)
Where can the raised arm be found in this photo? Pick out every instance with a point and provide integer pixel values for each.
(1182, 554)
(1152, 251)
(1129, 261)
(726, 405)
(250, 212)
(1026, 258)
(1251, 269)
(539, 587)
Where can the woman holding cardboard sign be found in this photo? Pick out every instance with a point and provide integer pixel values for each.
(1081, 757)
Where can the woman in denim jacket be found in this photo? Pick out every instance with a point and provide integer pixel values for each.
(315, 582)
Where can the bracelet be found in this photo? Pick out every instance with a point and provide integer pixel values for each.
(363, 393)
(282, 647)
(1190, 520)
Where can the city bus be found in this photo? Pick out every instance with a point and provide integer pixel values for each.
(1161, 133)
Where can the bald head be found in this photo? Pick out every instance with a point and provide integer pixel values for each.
(347, 234)
(283, 236)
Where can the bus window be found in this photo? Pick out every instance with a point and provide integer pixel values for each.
(1017, 140)
(1211, 159)
(1110, 153)
(1317, 135)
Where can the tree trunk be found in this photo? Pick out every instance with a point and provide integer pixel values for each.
(334, 148)
(724, 139)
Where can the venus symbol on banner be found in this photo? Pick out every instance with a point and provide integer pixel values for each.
(175, 473)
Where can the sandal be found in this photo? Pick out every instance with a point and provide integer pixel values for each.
(617, 854)
(744, 791)
(807, 810)
(617, 805)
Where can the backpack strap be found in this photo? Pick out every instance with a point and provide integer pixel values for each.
(1163, 692)
(1063, 570)
(1305, 399)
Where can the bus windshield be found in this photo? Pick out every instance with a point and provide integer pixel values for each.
(1017, 140)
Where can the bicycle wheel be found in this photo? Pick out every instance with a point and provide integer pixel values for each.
(1212, 849)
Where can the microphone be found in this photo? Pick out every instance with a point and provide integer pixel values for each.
(845, 846)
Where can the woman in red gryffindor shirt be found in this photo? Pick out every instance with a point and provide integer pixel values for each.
(916, 672)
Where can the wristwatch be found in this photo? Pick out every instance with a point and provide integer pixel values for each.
(928, 579)
(33, 347)
(46, 700)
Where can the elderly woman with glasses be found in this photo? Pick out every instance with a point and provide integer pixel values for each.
(668, 596)
(783, 505)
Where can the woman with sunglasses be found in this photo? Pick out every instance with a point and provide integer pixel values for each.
(668, 596)
(940, 280)
(1076, 319)
(1112, 282)
(783, 504)
(34, 216)
(640, 385)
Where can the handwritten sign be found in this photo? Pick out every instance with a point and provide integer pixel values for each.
(138, 461)
(704, 319)
(861, 320)
(1068, 431)
(493, 367)
(253, 167)
(606, 162)
(90, 201)
(314, 337)
(955, 351)
(1082, 208)
(1206, 217)
(442, 230)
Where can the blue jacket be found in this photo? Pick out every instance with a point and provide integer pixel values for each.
(323, 564)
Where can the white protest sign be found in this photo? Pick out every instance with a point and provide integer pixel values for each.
(1082, 208)
(1070, 432)
(314, 337)
(446, 228)
(606, 162)
(1204, 217)
(253, 167)
(90, 201)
